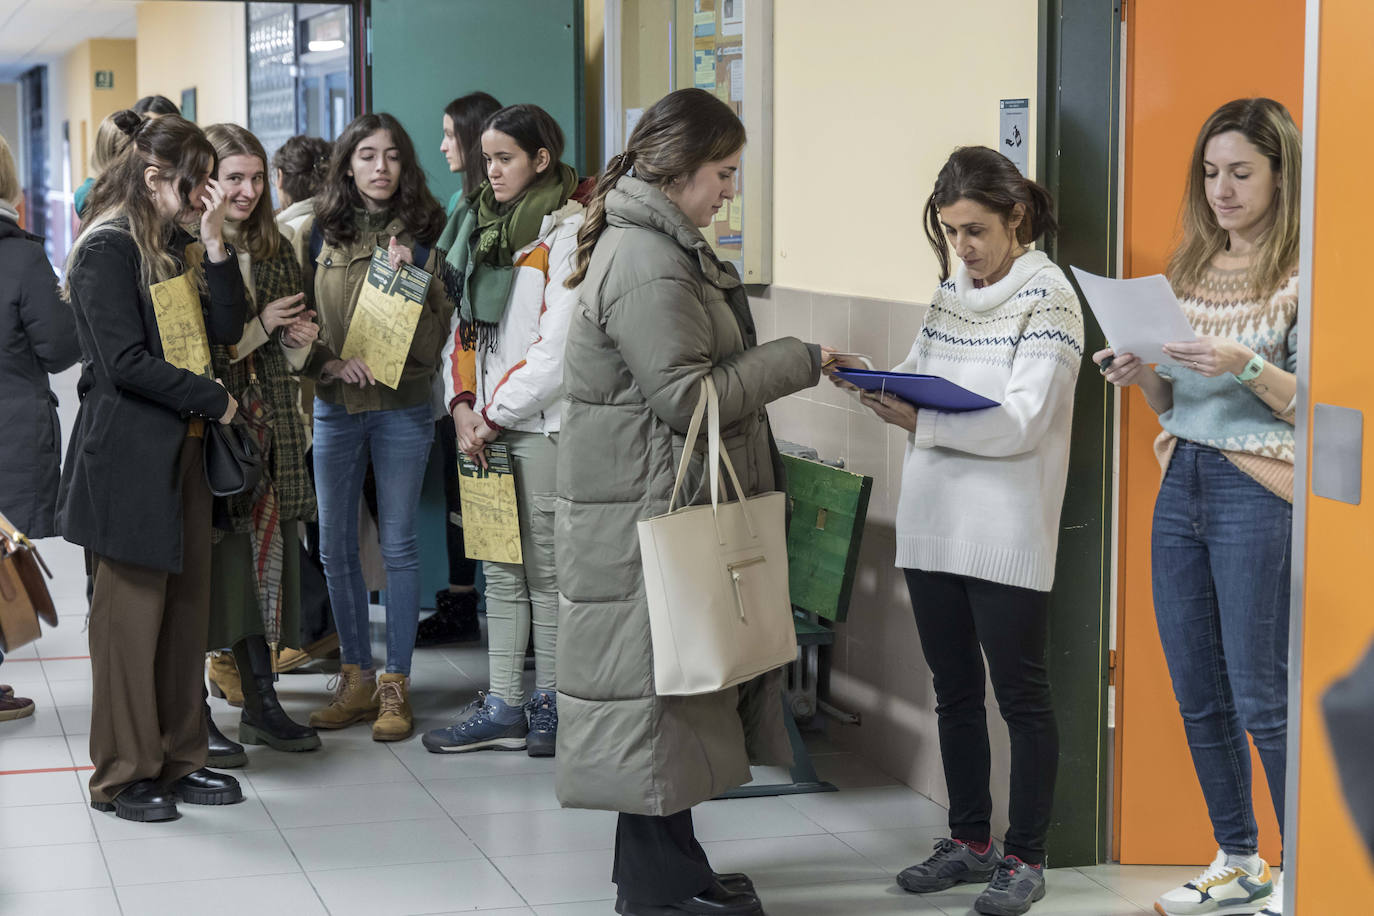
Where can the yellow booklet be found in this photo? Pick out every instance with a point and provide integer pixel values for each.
(181, 324)
(491, 522)
(385, 318)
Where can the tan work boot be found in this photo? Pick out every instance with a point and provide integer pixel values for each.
(224, 677)
(394, 721)
(354, 700)
(291, 659)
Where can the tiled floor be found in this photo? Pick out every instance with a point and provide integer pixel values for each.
(367, 828)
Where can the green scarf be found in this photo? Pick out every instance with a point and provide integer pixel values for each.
(370, 222)
(479, 243)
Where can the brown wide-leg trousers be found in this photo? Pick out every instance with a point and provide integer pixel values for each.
(147, 635)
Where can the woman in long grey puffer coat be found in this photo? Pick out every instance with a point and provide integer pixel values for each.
(659, 312)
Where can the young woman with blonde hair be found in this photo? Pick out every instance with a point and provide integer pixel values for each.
(1221, 548)
(133, 489)
(109, 143)
(255, 563)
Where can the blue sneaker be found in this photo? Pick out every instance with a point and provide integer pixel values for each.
(543, 714)
(477, 731)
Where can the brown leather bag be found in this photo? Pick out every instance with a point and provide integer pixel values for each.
(24, 598)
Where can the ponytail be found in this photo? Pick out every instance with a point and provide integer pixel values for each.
(594, 222)
(988, 178)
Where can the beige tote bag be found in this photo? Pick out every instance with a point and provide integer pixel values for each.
(716, 578)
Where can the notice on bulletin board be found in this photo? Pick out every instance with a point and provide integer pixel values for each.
(1014, 130)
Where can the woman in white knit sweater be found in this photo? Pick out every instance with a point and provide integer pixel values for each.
(978, 517)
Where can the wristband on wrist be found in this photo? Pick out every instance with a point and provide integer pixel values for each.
(1252, 369)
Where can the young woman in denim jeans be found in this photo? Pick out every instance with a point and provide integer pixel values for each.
(373, 195)
(1221, 545)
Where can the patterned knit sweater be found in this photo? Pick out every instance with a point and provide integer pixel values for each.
(1217, 411)
(982, 491)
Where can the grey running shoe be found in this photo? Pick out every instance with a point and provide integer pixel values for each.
(953, 862)
(1013, 888)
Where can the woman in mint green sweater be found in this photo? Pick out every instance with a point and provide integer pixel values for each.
(1221, 546)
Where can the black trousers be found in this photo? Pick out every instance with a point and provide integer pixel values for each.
(960, 619)
(461, 570)
(658, 860)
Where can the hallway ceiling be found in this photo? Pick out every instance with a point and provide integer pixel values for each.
(39, 31)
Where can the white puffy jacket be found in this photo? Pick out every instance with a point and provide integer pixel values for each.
(519, 384)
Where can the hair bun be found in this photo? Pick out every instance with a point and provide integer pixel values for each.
(128, 121)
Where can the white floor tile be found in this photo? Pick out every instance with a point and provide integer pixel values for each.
(395, 890)
(43, 722)
(76, 720)
(157, 860)
(869, 809)
(67, 640)
(560, 877)
(425, 766)
(26, 677)
(42, 789)
(1067, 893)
(76, 692)
(79, 749)
(850, 771)
(92, 901)
(46, 825)
(196, 820)
(317, 807)
(224, 897)
(476, 795)
(66, 669)
(879, 897)
(588, 908)
(747, 818)
(33, 753)
(52, 868)
(1141, 884)
(384, 843)
(535, 832)
(894, 850)
(794, 860)
(331, 765)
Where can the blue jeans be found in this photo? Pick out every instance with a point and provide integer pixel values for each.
(399, 442)
(1221, 553)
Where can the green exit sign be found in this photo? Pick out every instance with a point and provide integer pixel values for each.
(104, 79)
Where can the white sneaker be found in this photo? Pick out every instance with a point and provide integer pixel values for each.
(1275, 905)
(1224, 889)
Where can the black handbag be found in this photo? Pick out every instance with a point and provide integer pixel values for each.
(233, 463)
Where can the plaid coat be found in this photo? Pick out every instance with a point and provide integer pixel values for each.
(273, 278)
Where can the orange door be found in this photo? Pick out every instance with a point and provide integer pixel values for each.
(1335, 540)
(1184, 59)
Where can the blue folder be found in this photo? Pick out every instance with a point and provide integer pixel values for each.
(922, 390)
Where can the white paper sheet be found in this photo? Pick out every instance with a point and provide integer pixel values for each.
(1139, 315)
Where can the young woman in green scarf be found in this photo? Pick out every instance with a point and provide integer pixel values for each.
(506, 251)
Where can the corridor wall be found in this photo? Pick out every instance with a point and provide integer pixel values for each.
(191, 44)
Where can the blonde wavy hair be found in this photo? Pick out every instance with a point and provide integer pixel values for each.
(10, 191)
(260, 234)
(110, 141)
(1270, 129)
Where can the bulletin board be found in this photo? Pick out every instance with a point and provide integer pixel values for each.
(723, 47)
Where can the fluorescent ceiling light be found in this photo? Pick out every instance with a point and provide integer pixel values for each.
(331, 44)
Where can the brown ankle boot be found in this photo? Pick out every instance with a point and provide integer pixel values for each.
(354, 700)
(394, 721)
(224, 678)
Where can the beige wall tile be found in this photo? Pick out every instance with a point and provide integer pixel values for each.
(792, 313)
(868, 329)
(904, 323)
(765, 312)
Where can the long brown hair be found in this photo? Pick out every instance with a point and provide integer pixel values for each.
(989, 179)
(302, 162)
(339, 197)
(1270, 128)
(676, 136)
(182, 155)
(468, 113)
(260, 234)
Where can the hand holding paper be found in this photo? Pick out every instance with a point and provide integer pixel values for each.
(1139, 316)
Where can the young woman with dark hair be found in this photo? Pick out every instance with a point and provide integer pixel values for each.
(508, 248)
(374, 195)
(978, 516)
(298, 170)
(1221, 547)
(133, 489)
(659, 313)
(155, 106)
(255, 562)
(455, 608)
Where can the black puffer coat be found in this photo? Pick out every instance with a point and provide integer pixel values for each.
(37, 339)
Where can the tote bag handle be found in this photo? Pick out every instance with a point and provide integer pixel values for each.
(708, 403)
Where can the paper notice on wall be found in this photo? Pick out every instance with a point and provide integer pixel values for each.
(181, 324)
(1014, 132)
(737, 214)
(704, 24)
(737, 80)
(732, 17)
(384, 320)
(704, 70)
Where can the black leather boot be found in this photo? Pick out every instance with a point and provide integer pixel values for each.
(716, 900)
(141, 801)
(224, 753)
(263, 720)
(205, 787)
(454, 621)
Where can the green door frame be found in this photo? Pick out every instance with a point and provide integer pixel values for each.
(1080, 66)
